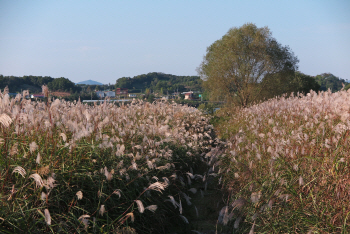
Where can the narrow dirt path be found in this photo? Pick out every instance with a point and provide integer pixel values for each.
(204, 211)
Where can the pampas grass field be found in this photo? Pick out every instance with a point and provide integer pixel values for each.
(67, 167)
(287, 165)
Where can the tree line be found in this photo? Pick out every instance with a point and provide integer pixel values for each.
(160, 82)
(34, 83)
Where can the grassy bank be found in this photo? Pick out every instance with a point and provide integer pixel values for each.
(286, 165)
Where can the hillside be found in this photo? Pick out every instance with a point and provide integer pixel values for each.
(330, 81)
(157, 81)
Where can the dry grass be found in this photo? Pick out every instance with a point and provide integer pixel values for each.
(70, 167)
(287, 164)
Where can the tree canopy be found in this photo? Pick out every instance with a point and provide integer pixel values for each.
(243, 62)
(63, 84)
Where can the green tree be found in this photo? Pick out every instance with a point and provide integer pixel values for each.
(347, 86)
(235, 66)
(287, 83)
(330, 81)
(305, 83)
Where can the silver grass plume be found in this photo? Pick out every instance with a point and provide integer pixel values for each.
(157, 186)
(37, 178)
(5, 120)
(223, 215)
(38, 158)
(255, 196)
(102, 210)
(172, 200)
(32, 147)
(117, 192)
(50, 183)
(43, 196)
(20, 170)
(152, 208)
(193, 190)
(236, 224)
(239, 203)
(84, 220)
(108, 175)
(140, 206)
(131, 215)
(47, 217)
(184, 219)
(6, 90)
(64, 137)
(45, 90)
(79, 195)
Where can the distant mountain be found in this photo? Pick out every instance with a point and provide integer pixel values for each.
(90, 82)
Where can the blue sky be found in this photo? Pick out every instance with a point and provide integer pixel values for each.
(105, 40)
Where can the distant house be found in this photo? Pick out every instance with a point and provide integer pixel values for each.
(110, 94)
(100, 94)
(188, 95)
(120, 91)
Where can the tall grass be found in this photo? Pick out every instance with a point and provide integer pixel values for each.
(67, 167)
(286, 165)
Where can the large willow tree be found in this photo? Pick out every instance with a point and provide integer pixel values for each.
(243, 62)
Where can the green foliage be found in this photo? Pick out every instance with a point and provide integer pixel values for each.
(83, 96)
(192, 103)
(235, 67)
(150, 98)
(330, 81)
(63, 84)
(34, 83)
(287, 83)
(157, 81)
(208, 108)
(304, 83)
(16, 84)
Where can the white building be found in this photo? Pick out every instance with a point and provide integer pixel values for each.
(110, 94)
